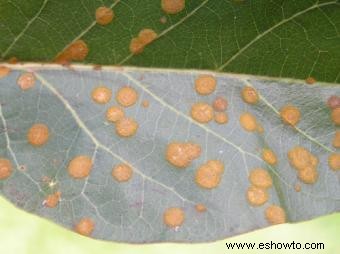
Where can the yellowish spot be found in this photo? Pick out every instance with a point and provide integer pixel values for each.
(122, 172)
(290, 115)
(26, 81)
(182, 154)
(101, 94)
(200, 208)
(209, 175)
(5, 168)
(4, 71)
(260, 178)
(38, 134)
(269, 156)
(202, 112)
(114, 114)
(126, 127)
(172, 6)
(77, 51)
(221, 117)
(334, 161)
(336, 116)
(104, 15)
(126, 96)
(249, 95)
(257, 196)
(205, 84)
(220, 104)
(52, 200)
(173, 217)
(336, 139)
(80, 166)
(300, 158)
(248, 122)
(275, 215)
(308, 175)
(85, 226)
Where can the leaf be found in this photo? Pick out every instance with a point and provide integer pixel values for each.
(133, 211)
(295, 39)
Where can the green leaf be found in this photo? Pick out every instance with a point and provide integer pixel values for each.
(133, 211)
(289, 38)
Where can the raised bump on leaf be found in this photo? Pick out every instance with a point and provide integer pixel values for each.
(336, 116)
(126, 127)
(221, 117)
(269, 156)
(208, 175)
(126, 96)
(122, 172)
(52, 200)
(85, 227)
(4, 71)
(182, 154)
(80, 166)
(334, 161)
(220, 104)
(26, 81)
(205, 84)
(248, 122)
(6, 168)
(114, 114)
(260, 178)
(290, 115)
(336, 139)
(174, 217)
(77, 51)
(38, 134)
(200, 208)
(202, 112)
(249, 95)
(333, 102)
(275, 215)
(257, 196)
(310, 80)
(101, 94)
(172, 6)
(104, 15)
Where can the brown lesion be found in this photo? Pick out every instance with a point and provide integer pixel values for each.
(76, 51)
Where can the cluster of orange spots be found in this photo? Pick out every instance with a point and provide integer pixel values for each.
(85, 227)
(202, 112)
(290, 115)
(209, 174)
(269, 156)
(172, 6)
(80, 167)
(4, 71)
(249, 95)
(336, 140)
(173, 217)
(77, 51)
(52, 200)
(101, 94)
(145, 37)
(26, 81)
(122, 172)
(275, 215)
(334, 161)
(182, 154)
(200, 208)
(305, 163)
(104, 15)
(261, 181)
(38, 134)
(205, 84)
(310, 80)
(5, 168)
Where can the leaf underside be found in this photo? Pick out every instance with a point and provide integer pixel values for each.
(133, 211)
(279, 38)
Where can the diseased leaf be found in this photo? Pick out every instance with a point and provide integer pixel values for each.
(159, 175)
(297, 39)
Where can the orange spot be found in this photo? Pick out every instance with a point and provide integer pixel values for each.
(260, 178)
(334, 161)
(13, 60)
(77, 51)
(136, 46)
(4, 71)
(80, 166)
(5, 168)
(145, 103)
(173, 217)
(333, 102)
(122, 172)
(221, 117)
(205, 84)
(200, 208)
(26, 81)
(275, 215)
(269, 156)
(310, 80)
(104, 15)
(300, 158)
(209, 175)
(308, 175)
(114, 114)
(38, 134)
(146, 36)
(52, 200)
(336, 139)
(172, 6)
(126, 127)
(248, 122)
(126, 96)
(249, 95)
(85, 227)
(257, 196)
(101, 94)
(220, 104)
(202, 112)
(297, 187)
(336, 116)
(290, 115)
(182, 154)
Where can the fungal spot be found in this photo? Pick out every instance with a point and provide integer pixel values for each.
(126, 96)
(260, 178)
(297, 187)
(249, 95)
(26, 81)
(13, 60)
(38, 134)
(114, 114)
(202, 112)
(80, 166)
(209, 175)
(205, 84)
(172, 6)
(145, 103)
(146, 36)
(4, 71)
(259, 128)
(5, 168)
(122, 172)
(221, 117)
(126, 127)
(248, 122)
(336, 116)
(308, 175)
(97, 67)
(269, 156)
(334, 161)
(77, 51)
(52, 200)
(300, 158)
(275, 215)
(290, 115)
(85, 227)
(136, 46)
(182, 154)
(333, 102)
(163, 20)
(336, 140)
(257, 196)
(173, 217)
(101, 94)
(200, 208)
(104, 15)
(220, 104)
(310, 80)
